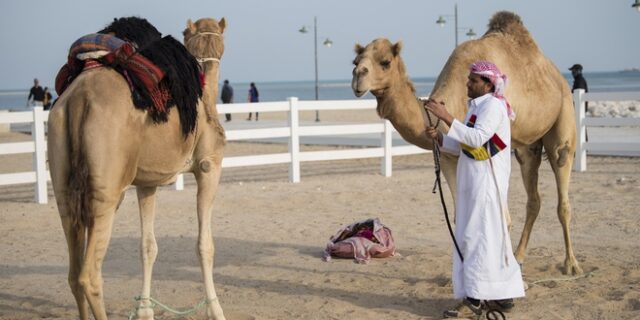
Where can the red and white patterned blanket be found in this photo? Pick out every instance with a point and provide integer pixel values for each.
(361, 240)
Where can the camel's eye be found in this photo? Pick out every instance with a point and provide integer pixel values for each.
(385, 64)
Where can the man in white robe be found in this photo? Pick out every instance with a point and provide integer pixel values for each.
(489, 270)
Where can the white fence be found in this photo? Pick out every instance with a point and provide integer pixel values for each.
(293, 131)
(38, 147)
(610, 147)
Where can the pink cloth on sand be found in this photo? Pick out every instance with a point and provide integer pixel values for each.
(362, 241)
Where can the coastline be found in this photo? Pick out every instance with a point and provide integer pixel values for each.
(340, 89)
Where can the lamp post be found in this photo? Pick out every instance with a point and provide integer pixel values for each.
(327, 42)
(636, 5)
(441, 22)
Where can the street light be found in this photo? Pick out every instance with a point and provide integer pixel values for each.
(636, 5)
(441, 22)
(327, 42)
(472, 35)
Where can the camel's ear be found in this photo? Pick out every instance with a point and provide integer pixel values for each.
(190, 26)
(359, 49)
(396, 48)
(222, 24)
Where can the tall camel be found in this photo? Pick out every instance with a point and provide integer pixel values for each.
(100, 143)
(537, 91)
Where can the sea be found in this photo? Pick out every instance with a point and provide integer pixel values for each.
(16, 100)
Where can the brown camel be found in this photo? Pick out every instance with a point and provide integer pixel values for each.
(537, 91)
(99, 144)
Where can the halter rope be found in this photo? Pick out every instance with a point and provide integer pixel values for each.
(203, 60)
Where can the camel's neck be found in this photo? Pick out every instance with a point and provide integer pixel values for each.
(399, 105)
(210, 90)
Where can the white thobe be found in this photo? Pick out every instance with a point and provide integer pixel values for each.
(490, 270)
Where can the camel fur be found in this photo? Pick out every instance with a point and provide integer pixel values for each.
(99, 143)
(537, 91)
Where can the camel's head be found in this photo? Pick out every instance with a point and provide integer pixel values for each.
(377, 67)
(204, 39)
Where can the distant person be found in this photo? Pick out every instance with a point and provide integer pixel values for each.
(36, 94)
(48, 99)
(227, 97)
(253, 97)
(579, 82)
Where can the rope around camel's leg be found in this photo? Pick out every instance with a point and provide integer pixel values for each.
(153, 302)
(144, 311)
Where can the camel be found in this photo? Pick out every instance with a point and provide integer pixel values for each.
(539, 94)
(99, 143)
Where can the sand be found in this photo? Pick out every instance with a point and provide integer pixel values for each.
(270, 234)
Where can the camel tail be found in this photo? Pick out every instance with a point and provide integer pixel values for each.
(509, 23)
(79, 185)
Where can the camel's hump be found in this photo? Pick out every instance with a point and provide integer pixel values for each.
(505, 22)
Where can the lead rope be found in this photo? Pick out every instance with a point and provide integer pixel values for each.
(438, 184)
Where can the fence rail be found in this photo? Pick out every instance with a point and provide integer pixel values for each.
(38, 147)
(580, 98)
(292, 132)
(39, 175)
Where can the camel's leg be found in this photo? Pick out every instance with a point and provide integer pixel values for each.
(98, 237)
(529, 158)
(58, 149)
(561, 160)
(207, 177)
(148, 247)
(75, 243)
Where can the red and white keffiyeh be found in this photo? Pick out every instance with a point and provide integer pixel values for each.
(490, 71)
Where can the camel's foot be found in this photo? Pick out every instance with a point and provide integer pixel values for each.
(571, 267)
(144, 313)
(214, 310)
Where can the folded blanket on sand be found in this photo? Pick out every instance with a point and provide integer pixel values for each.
(362, 241)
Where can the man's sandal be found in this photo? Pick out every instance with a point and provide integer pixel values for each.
(465, 310)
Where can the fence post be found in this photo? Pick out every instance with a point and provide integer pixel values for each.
(179, 184)
(580, 161)
(294, 140)
(40, 155)
(387, 145)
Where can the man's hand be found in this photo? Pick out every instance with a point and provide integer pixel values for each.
(435, 134)
(439, 110)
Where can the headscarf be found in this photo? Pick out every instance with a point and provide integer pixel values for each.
(490, 71)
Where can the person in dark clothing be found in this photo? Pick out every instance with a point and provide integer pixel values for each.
(253, 97)
(579, 82)
(37, 93)
(48, 99)
(227, 97)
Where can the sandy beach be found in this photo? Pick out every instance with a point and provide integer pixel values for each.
(270, 235)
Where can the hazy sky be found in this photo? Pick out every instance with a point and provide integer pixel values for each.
(263, 43)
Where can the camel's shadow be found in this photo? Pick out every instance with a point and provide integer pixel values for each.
(177, 261)
(174, 263)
